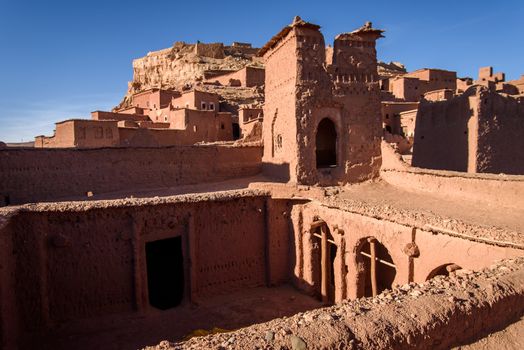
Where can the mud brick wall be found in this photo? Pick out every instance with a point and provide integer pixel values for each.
(66, 262)
(30, 175)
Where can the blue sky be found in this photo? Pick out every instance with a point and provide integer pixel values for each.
(64, 59)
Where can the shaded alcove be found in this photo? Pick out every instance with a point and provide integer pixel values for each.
(323, 274)
(326, 144)
(385, 270)
(443, 270)
(165, 272)
(236, 131)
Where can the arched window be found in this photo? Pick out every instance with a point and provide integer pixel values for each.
(443, 270)
(377, 270)
(326, 144)
(323, 257)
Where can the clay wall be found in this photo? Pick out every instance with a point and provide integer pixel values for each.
(83, 264)
(486, 74)
(391, 114)
(213, 50)
(100, 115)
(436, 79)
(485, 188)
(349, 231)
(407, 88)
(280, 129)
(245, 77)
(81, 133)
(407, 122)
(463, 84)
(439, 95)
(248, 117)
(500, 147)
(29, 175)
(477, 131)
(442, 140)
(131, 110)
(64, 137)
(153, 98)
(200, 125)
(197, 100)
(345, 97)
(519, 84)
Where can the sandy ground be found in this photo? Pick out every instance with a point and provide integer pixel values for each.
(231, 311)
(510, 338)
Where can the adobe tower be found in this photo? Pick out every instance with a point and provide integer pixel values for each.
(322, 120)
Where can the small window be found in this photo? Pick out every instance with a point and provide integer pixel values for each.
(109, 133)
(211, 106)
(165, 118)
(222, 126)
(203, 106)
(194, 128)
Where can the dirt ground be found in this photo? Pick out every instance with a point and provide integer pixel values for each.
(230, 312)
(510, 338)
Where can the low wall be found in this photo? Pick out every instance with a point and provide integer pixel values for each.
(86, 261)
(31, 175)
(438, 314)
(505, 190)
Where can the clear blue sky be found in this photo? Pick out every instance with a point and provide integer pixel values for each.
(64, 59)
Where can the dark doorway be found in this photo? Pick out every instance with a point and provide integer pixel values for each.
(165, 272)
(326, 144)
(236, 131)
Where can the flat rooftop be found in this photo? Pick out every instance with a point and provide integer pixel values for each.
(485, 222)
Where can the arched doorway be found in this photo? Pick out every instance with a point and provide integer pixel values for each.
(443, 270)
(323, 256)
(376, 267)
(326, 144)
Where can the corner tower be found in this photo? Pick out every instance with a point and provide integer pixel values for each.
(322, 124)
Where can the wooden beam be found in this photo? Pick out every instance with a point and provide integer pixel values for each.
(320, 236)
(317, 223)
(324, 266)
(373, 271)
(380, 260)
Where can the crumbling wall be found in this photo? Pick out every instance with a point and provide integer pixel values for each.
(439, 314)
(29, 175)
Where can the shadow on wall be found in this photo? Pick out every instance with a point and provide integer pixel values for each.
(441, 134)
(277, 172)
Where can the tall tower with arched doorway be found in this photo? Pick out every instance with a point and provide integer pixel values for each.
(322, 120)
